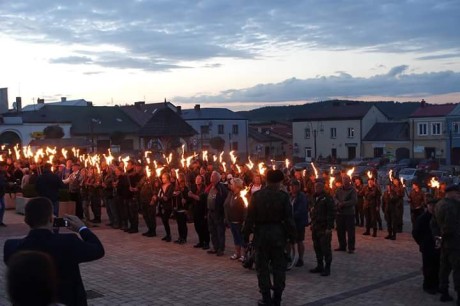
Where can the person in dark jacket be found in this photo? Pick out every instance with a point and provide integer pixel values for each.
(216, 195)
(446, 229)
(300, 214)
(372, 195)
(430, 254)
(270, 220)
(235, 213)
(67, 250)
(3, 184)
(322, 215)
(346, 199)
(48, 185)
(200, 221)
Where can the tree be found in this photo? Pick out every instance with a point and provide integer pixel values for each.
(53, 132)
(117, 137)
(217, 143)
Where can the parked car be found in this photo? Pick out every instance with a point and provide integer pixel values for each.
(378, 162)
(441, 176)
(355, 162)
(410, 175)
(428, 164)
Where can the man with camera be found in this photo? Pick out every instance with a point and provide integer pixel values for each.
(66, 250)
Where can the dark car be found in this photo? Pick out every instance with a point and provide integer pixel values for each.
(377, 162)
(428, 165)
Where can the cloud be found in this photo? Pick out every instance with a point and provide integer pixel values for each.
(439, 56)
(71, 60)
(393, 83)
(172, 32)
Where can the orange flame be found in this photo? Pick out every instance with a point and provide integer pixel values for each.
(243, 193)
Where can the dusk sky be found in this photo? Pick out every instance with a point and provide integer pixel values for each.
(235, 54)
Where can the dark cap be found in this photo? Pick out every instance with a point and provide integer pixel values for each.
(275, 176)
(295, 183)
(453, 187)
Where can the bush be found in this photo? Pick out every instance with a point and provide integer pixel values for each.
(64, 195)
(29, 191)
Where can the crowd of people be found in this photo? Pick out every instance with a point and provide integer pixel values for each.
(215, 198)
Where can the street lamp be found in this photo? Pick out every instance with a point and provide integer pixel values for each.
(93, 121)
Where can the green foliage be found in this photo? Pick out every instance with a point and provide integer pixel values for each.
(53, 132)
(217, 143)
(64, 195)
(29, 191)
(117, 137)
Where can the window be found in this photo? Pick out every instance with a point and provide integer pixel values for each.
(333, 133)
(351, 132)
(456, 127)
(436, 128)
(220, 129)
(307, 133)
(235, 129)
(422, 129)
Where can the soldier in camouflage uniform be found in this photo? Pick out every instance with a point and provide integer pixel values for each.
(445, 226)
(322, 216)
(270, 220)
(417, 202)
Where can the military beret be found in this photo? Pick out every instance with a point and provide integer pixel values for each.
(275, 176)
(453, 187)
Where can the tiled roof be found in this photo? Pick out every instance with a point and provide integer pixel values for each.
(261, 136)
(35, 107)
(396, 110)
(142, 112)
(433, 110)
(388, 131)
(336, 112)
(210, 114)
(166, 123)
(84, 119)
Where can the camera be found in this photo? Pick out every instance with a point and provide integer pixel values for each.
(60, 222)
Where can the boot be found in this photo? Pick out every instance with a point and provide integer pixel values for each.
(374, 233)
(388, 236)
(319, 268)
(366, 233)
(393, 237)
(327, 270)
(266, 300)
(276, 300)
(445, 296)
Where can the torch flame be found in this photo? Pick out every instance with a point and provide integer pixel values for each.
(369, 174)
(314, 169)
(146, 153)
(331, 182)
(402, 181)
(224, 166)
(205, 155)
(250, 164)
(177, 173)
(261, 168)
(287, 163)
(64, 152)
(221, 156)
(243, 193)
(238, 168)
(434, 183)
(350, 172)
(158, 171)
(233, 157)
(148, 172)
(390, 175)
(125, 160)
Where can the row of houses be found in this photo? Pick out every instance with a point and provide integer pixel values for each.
(136, 127)
(348, 130)
(335, 129)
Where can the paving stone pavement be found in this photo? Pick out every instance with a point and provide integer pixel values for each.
(147, 271)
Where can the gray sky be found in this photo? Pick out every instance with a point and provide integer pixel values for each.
(230, 51)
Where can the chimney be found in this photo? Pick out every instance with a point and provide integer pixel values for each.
(40, 101)
(18, 104)
(179, 110)
(197, 107)
(423, 103)
(3, 100)
(63, 99)
(139, 104)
